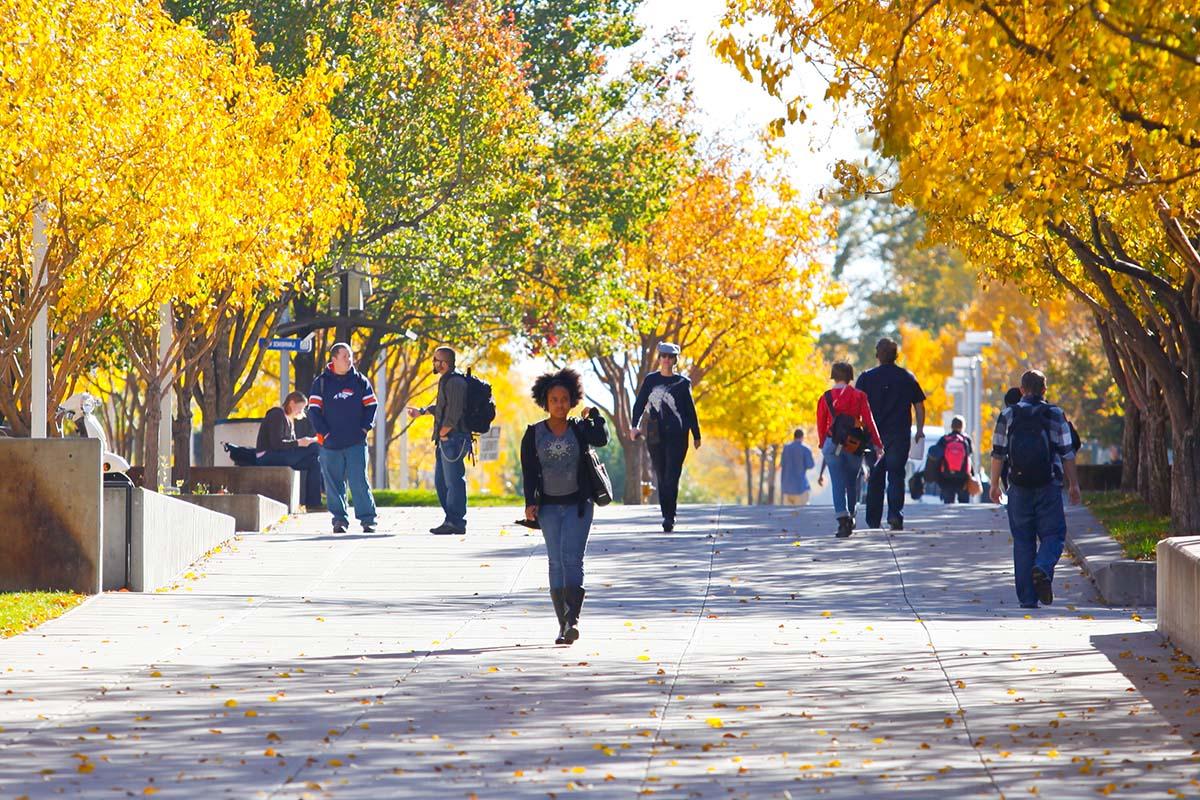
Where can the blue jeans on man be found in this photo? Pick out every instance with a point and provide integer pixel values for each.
(306, 461)
(844, 469)
(890, 468)
(450, 478)
(1039, 528)
(566, 535)
(347, 465)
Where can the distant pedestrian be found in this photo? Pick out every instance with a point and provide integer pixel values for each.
(1035, 438)
(668, 399)
(451, 440)
(796, 460)
(277, 446)
(844, 428)
(893, 394)
(954, 467)
(556, 488)
(342, 411)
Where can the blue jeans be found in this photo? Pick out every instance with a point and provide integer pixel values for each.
(1039, 529)
(306, 461)
(450, 477)
(890, 468)
(347, 465)
(843, 475)
(566, 535)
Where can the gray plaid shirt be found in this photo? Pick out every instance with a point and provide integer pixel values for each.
(1060, 434)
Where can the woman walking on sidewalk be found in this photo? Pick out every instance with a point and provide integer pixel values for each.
(668, 398)
(844, 423)
(557, 494)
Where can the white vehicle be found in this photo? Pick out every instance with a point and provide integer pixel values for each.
(79, 408)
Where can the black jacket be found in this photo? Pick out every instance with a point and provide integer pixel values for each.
(590, 431)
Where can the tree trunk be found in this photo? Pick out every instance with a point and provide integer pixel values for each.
(774, 474)
(151, 418)
(634, 452)
(749, 476)
(208, 414)
(762, 475)
(1154, 473)
(1185, 501)
(1131, 450)
(181, 434)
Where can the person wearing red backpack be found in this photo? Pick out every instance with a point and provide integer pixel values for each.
(844, 427)
(955, 467)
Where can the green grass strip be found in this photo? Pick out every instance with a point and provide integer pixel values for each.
(1130, 521)
(20, 611)
(386, 498)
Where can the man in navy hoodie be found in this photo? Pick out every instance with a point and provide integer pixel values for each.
(341, 407)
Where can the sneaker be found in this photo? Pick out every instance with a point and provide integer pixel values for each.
(1041, 585)
(446, 529)
(339, 527)
(845, 526)
(370, 528)
(896, 524)
(1029, 605)
(668, 525)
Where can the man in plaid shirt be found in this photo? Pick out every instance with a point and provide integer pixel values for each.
(1034, 438)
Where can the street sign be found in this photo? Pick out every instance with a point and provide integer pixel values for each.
(489, 445)
(284, 343)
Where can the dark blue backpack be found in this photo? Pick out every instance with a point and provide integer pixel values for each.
(1030, 451)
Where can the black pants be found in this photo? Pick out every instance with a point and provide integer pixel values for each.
(954, 494)
(307, 461)
(666, 457)
(890, 468)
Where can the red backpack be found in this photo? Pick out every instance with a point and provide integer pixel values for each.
(956, 464)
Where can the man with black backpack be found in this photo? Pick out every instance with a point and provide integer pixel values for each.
(1035, 439)
(464, 406)
(954, 463)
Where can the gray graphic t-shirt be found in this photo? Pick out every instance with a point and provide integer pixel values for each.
(559, 456)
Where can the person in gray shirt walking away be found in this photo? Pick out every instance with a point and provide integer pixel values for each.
(452, 442)
(797, 461)
(557, 495)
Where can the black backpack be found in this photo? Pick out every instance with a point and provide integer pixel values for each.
(480, 408)
(1030, 453)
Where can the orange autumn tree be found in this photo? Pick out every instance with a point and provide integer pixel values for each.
(730, 273)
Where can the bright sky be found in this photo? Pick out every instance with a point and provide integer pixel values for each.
(739, 110)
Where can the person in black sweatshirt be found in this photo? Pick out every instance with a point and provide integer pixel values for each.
(557, 492)
(668, 398)
(341, 407)
(277, 446)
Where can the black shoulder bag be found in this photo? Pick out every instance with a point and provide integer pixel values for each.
(599, 487)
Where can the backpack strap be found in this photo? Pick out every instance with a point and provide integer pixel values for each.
(829, 402)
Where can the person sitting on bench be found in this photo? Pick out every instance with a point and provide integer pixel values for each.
(278, 447)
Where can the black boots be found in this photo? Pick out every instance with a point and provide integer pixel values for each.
(574, 596)
(845, 527)
(559, 598)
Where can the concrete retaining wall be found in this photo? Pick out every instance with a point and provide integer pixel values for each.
(251, 512)
(1179, 592)
(50, 502)
(167, 535)
(1120, 580)
(238, 430)
(281, 484)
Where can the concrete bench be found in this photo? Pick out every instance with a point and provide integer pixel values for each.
(251, 512)
(1179, 592)
(165, 536)
(281, 484)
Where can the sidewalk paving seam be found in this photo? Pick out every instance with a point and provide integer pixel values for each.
(353, 723)
(937, 656)
(662, 718)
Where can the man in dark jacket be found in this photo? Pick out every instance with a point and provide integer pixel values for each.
(452, 440)
(278, 446)
(894, 395)
(342, 410)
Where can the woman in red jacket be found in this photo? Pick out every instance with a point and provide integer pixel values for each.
(844, 400)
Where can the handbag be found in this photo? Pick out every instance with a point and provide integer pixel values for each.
(599, 486)
(973, 485)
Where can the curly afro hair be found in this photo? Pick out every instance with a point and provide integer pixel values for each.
(567, 378)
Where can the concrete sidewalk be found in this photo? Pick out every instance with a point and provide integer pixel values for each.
(749, 654)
